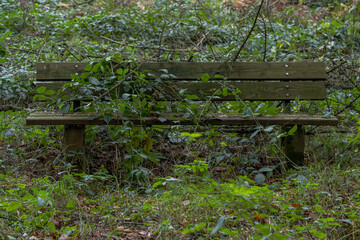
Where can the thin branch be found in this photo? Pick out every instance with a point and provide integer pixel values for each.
(249, 33)
(265, 36)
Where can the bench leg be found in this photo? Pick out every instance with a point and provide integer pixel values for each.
(74, 141)
(293, 147)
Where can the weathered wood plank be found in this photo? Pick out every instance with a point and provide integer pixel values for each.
(58, 71)
(262, 91)
(166, 119)
(194, 70)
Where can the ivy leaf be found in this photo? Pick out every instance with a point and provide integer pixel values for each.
(254, 134)
(327, 115)
(266, 169)
(162, 119)
(94, 81)
(107, 118)
(260, 178)
(248, 112)
(94, 117)
(65, 108)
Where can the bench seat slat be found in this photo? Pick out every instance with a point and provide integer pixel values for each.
(194, 70)
(262, 91)
(213, 119)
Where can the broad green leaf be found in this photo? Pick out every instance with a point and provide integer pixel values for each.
(292, 130)
(205, 77)
(71, 204)
(263, 229)
(272, 110)
(88, 68)
(279, 236)
(50, 92)
(13, 206)
(225, 91)
(117, 58)
(120, 71)
(318, 234)
(41, 90)
(51, 225)
(148, 144)
(38, 131)
(157, 184)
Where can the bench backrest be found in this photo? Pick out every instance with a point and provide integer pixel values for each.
(255, 81)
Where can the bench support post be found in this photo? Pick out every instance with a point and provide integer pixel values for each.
(74, 141)
(293, 147)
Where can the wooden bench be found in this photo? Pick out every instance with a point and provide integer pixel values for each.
(280, 82)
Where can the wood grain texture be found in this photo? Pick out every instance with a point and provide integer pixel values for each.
(194, 70)
(168, 119)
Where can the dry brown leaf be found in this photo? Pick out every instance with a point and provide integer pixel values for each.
(63, 5)
(120, 228)
(186, 202)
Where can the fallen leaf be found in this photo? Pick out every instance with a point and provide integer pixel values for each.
(186, 202)
(220, 169)
(120, 228)
(63, 5)
(258, 217)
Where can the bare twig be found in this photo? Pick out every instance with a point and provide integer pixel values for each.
(249, 33)
(10, 107)
(265, 36)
